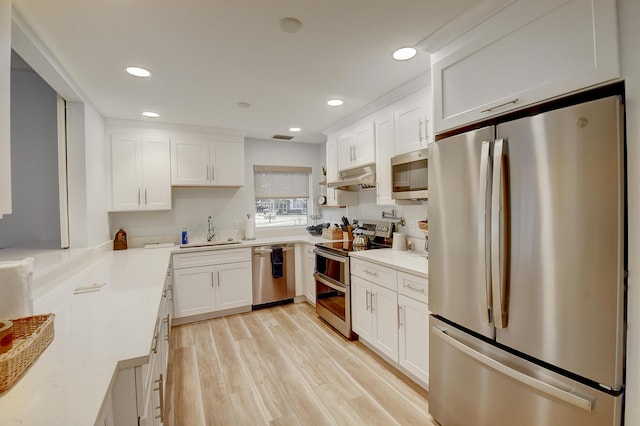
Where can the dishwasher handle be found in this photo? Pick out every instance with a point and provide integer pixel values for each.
(265, 250)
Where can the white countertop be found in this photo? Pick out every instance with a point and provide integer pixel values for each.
(94, 332)
(410, 262)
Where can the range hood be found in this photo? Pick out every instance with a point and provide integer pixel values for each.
(356, 179)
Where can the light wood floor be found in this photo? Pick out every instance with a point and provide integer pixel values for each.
(283, 366)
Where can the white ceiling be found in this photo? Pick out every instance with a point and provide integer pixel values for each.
(208, 55)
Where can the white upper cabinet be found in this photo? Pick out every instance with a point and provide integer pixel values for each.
(528, 52)
(207, 163)
(356, 146)
(385, 131)
(140, 173)
(412, 130)
(336, 197)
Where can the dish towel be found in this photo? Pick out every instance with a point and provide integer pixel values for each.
(277, 262)
(16, 280)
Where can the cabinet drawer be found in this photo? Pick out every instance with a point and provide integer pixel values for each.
(413, 286)
(377, 274)
(217, 257)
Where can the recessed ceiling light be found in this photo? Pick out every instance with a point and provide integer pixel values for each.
(295, 129)
(151, 114)
(290, 25)
(138, 72)
(404, 53)
(243, 104)
(335, 102)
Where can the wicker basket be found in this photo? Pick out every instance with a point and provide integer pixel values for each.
(32, 335)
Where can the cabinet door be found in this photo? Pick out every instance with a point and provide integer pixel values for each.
(227, 164)
(364, 145)
(190, 163)
(105, 418)
(361, 308)
(414, 337)
(309, 280)
(384, 305)
(385, 136)
(156, 173)
(412, 129)
(345, 150)
(233, 285)
(193, 291)
(526, 53)
(126, 173)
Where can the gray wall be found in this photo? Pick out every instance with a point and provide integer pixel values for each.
(34, 164)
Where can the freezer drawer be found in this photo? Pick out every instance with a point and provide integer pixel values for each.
(472, 382)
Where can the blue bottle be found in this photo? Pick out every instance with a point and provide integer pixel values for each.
(185, 236)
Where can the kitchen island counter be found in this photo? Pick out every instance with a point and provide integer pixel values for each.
(95, 335)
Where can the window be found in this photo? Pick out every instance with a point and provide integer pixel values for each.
(282, 195)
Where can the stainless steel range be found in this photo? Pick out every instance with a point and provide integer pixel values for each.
(333, 288)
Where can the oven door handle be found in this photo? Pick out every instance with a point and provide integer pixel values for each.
(323, 280)
(341, 259)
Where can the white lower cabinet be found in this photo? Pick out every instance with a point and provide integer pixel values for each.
(414, 337)
(375, 316)
(390, 313)
(209, 282)
(309, 266)
(136, 397)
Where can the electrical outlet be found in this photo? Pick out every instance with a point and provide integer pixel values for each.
(237, 224)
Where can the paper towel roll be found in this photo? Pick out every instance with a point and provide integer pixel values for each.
(250, 229)
(399, 241)
(16, 278)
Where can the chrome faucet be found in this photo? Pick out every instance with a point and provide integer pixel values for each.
(211, 232)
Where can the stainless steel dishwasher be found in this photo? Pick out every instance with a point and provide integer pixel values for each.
(274, 278)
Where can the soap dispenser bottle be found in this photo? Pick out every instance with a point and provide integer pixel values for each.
(185, 236)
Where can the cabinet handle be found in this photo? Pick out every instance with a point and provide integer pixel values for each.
(372, 294)
(218, 277)
(212, 279)
(420, 124)
(514, 101)
(161, 397)
(426, 129)
(207, 172)
(166, 330)
(145, 197)
(409, 286)
(366, 298)
(154, 349)
(138, 196)
(374, 273)
(399, 316)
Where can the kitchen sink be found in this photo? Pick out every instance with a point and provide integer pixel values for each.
(210, 243)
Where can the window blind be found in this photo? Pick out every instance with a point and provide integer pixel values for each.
(281, 181)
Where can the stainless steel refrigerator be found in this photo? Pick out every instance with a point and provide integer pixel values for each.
(527, 270)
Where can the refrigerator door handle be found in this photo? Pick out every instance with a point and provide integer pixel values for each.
(523, 378)
(483, 267)
(500, 236)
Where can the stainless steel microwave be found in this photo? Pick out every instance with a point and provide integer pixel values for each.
(409, 177)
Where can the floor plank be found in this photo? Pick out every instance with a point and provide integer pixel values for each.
(283, 366)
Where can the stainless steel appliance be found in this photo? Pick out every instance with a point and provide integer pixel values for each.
(356, 179)
(332, 274)
(273, 275)
(527, 269)
(409, 177)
